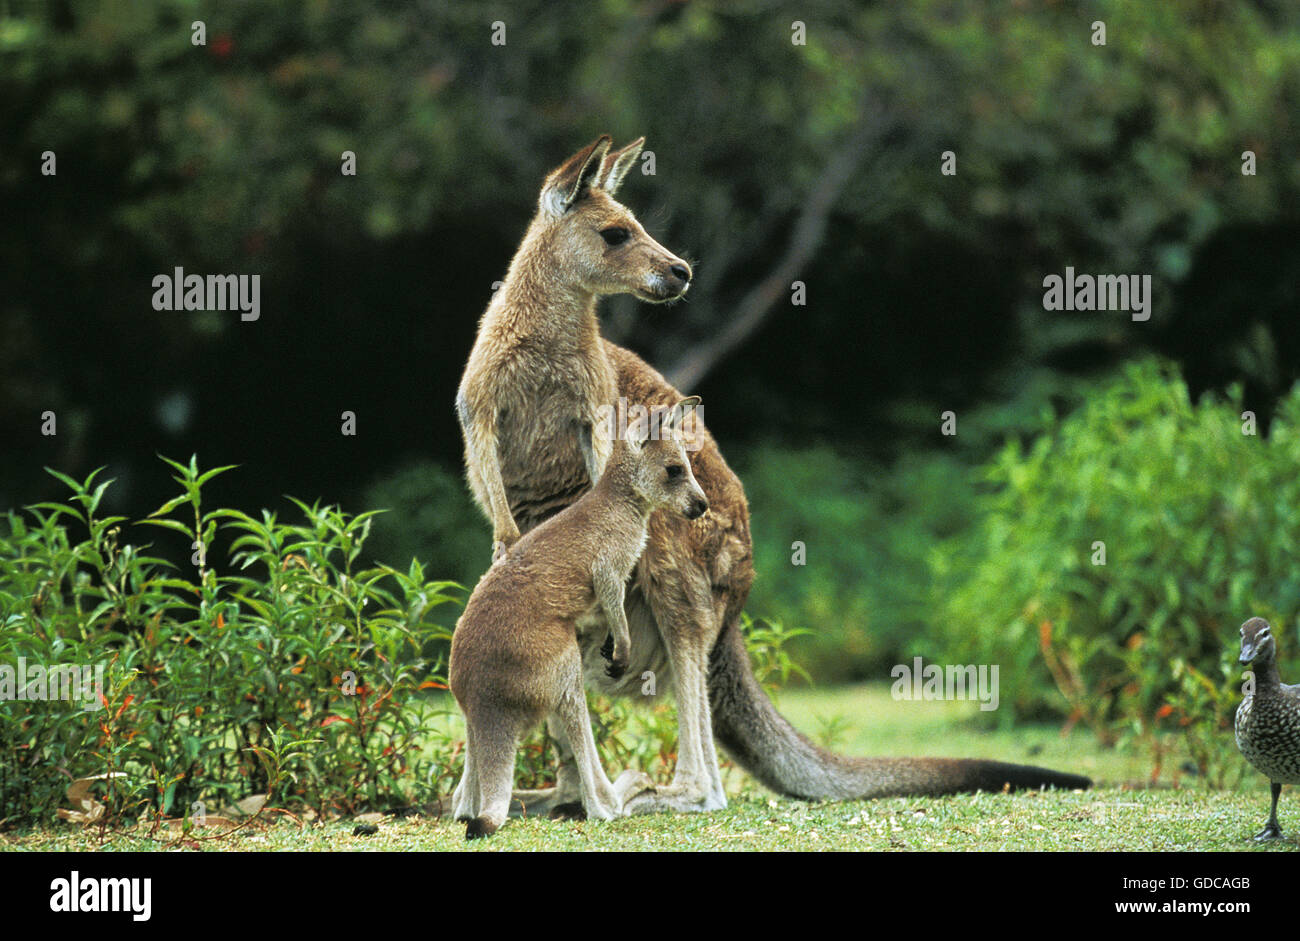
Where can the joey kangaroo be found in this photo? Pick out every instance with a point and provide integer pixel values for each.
(537, 377)
(514, 653)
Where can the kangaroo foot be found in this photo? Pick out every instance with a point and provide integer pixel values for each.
(629, 784)
(599, 809)
(479, 827)
(462, 807)
(678, 798)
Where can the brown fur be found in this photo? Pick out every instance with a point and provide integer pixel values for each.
(514, 655)
(538, 374)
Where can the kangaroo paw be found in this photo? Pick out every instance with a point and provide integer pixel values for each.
(607, 648)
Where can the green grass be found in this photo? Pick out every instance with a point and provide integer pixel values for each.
(1116, 815)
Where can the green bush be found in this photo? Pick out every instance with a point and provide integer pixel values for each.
(1200, 527)
(292, 673)
(869, 527)
(431, 517)
(967, 559)
(867, 533)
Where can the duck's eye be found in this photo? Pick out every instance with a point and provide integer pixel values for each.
(675, 471)
(615, 235)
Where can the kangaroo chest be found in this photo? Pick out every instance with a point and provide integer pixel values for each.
(538, 429)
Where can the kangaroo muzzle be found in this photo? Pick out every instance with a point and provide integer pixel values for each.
(678, 278)
(670, 281)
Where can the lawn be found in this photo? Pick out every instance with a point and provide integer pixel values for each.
(1120, 813)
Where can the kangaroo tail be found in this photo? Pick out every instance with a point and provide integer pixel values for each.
(751, 730)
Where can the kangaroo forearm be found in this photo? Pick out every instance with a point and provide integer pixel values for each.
(481, 445)
(610, 594)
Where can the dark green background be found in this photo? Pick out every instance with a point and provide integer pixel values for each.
(924, 291)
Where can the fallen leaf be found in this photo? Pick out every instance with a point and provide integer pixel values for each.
(88, 809)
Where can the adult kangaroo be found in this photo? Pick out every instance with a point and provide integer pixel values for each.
(538, 379)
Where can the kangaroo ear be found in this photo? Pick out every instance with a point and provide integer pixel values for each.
(680, 412)
(569, 180)
(636, 423)
(618, 163)
(638, 432)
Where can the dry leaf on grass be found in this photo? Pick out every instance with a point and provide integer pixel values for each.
(87, 808)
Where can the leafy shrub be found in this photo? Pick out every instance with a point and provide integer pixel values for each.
(867, 533)
(818, 497)
(293, 673)
(870, 526)
(431, 518)
(1199, 528)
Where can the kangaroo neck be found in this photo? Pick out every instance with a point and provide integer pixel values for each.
(615, 486)
(536, 300)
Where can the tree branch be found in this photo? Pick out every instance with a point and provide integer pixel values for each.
(805, 239)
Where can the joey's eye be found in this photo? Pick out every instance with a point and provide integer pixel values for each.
(675, 471)
(615, 235)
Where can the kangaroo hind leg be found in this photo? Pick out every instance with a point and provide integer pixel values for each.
(599, 799)
(494, 762)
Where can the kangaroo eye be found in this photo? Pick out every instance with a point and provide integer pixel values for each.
(675, 471)
(615, 235)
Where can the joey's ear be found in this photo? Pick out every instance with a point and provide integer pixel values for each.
(637, 425)
(638, 431)
(680, 412)
(617, 164)
(570, 179)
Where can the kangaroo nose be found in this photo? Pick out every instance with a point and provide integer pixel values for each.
(698, 509)
(681, 272)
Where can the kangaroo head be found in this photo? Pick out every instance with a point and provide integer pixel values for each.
(596, 243)
(659, 467)
(1257, 644)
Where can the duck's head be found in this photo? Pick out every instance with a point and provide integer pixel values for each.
(1257, 645)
